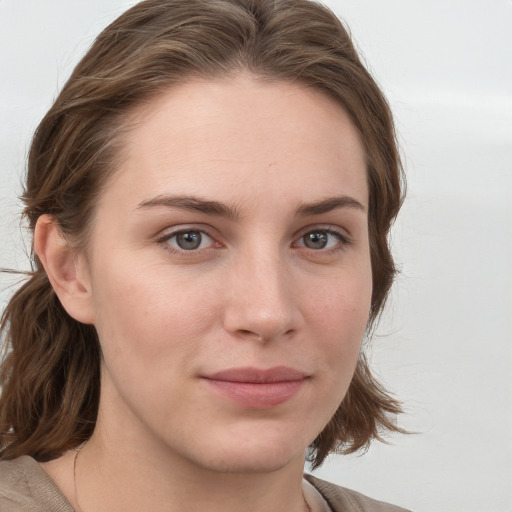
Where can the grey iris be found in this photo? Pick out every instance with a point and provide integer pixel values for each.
(315, 240)
(189, 240)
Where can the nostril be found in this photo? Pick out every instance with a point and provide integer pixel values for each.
(247, 333)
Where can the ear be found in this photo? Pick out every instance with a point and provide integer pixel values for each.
(67, 270)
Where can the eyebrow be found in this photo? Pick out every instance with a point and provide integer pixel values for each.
(219, 209)
(329, 204)
(192, 203)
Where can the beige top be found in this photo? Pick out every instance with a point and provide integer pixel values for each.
(26, 487)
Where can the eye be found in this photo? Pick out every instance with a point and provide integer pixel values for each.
(321, 239)
(188, 240)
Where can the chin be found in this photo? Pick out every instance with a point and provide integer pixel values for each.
(252, 453)
(260, 463)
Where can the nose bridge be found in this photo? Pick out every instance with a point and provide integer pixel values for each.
(261, 298)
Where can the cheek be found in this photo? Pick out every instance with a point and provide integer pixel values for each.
(342, 300)
(339, 316)
(149, 314)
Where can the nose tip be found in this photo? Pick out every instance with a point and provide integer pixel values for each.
(262, 305)
(259, 329)
(262, 328)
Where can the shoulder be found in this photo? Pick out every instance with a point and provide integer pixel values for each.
(345, 500)
(25, 487)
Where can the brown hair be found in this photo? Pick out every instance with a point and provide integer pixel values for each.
(51, 372)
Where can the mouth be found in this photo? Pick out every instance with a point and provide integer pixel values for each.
(255, 388)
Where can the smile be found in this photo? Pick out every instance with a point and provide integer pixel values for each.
(257, 389)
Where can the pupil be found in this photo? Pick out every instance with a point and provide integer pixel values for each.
(189, 240)
(316, 240)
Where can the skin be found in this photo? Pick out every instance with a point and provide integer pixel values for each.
(253, 294)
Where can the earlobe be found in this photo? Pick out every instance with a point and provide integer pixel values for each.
(65, 268)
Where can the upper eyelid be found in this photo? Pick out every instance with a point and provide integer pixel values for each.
(181, 228)
(168, 233)
(342, 238)
(332, 228)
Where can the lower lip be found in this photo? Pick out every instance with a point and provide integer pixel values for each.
(257, 395)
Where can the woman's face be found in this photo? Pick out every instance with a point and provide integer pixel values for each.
(229, 273)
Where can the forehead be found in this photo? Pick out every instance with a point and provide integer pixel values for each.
(236, 135)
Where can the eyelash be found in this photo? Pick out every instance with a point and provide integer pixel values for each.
(342, 241)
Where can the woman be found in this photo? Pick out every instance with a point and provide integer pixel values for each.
(210, 197)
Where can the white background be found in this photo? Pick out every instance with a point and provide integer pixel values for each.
(444, 346)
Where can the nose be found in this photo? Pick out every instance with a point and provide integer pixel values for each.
(262, 299)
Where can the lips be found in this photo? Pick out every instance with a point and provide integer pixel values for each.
(257, 388)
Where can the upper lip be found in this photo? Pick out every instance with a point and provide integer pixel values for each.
(257, 375)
